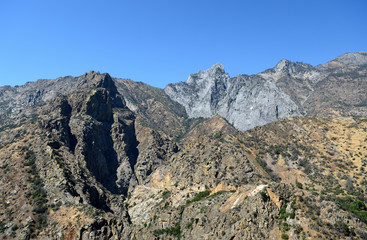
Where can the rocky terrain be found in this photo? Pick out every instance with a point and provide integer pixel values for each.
(96, 157)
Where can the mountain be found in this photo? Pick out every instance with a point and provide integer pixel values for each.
(288, 89)
(276, 155)
(245, 101)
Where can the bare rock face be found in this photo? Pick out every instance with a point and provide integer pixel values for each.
(200, 89)
(98, 130)
(245, 101)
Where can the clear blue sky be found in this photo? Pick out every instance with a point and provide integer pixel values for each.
(158, 42)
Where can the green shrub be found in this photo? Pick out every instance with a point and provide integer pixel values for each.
(342, 228)
(166, 194)
(30, 158)
(282, 212)
(200, 196)
(174, 231)
(356, 207)
(286, 227)
(189, 224)
(218, 193)
(285, 236)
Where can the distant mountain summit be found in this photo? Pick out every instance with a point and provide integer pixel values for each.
(245, 101)
(354, 59)
(288, 89)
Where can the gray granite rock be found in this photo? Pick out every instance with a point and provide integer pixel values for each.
(244, 101)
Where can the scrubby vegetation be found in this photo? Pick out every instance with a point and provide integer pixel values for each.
(37, 195)
(174, 231)
(200, 196)
(357, 207)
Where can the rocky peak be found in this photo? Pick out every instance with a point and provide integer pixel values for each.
(287, 66)
(217, 67)
(213, 74)
(200, 92)
(97, 80)
(281, 65)
(354, 59)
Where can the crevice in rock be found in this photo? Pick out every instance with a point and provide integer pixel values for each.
(72, 141)
(96, 200)
(65, 110)
(100, 156)
(132, 153)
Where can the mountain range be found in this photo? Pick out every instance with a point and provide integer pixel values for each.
(276, 155)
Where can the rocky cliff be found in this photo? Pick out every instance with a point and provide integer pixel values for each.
(245, 101)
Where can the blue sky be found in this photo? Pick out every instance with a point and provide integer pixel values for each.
(159, 42)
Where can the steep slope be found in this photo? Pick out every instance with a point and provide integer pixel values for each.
(153, 106)
(341, 93)
(80, 155)
(298, 177)
(297, 80)
(334, 89)
(295, 177)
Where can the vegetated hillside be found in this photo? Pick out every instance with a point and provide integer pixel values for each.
(342, 93)
(295, 177)
(104, 158)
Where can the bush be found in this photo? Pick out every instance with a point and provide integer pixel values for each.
(166, 194)
(189, 224)
(201, 195)
(342, 228)
(286, 227)
(285, 236)
(37, 192)
(298, 229)
(30, 158)
(174, 231)
(356, 207)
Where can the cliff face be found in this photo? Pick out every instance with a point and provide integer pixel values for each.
(245, 101)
